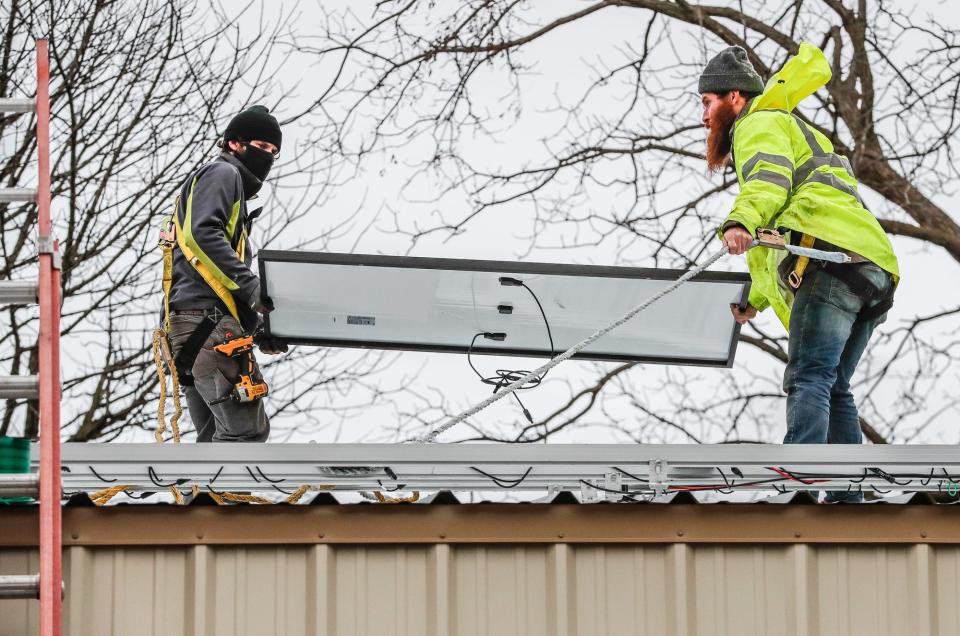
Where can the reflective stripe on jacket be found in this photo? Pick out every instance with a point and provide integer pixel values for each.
(791, 177)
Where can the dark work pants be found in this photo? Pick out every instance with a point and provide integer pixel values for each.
(214, 376)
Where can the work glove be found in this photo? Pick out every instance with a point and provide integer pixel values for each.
(261, 304)
(269, 345)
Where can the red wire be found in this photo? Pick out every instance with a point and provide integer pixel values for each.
(784, 473)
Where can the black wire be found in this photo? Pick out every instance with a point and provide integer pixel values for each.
(217, 475)
(505, 377)
(101, 478)
(272, 481)
(385, 489)
(156, 479)
(499, 481)
(630, 493)
(860, 481)
(888, 477)
(545, 322)
(631, 476)
(729, 487)
(252, 475)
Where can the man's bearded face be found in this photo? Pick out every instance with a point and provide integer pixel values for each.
(718, 116)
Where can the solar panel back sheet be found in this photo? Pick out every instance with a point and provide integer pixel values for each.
(433, 304)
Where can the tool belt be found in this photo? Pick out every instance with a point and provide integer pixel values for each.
(793, 268)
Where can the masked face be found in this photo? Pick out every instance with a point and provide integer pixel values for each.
(719, 114)
(256, 160)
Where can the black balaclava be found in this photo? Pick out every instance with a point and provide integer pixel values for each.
(254, 123)
(251, 182)
(257, 161)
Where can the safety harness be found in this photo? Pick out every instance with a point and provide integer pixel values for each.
(180, 366)
(847, 271)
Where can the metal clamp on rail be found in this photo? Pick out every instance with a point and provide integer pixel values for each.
(658, 476)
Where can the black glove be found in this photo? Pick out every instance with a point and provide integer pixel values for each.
(261, 304)
(269, 344)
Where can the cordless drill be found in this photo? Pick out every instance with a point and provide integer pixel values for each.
(251, 385)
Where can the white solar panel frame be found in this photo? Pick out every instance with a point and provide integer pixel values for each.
(733, 286)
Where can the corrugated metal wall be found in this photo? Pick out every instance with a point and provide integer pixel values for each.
(468, 590)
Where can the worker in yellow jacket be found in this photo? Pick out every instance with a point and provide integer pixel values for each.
(791, 180)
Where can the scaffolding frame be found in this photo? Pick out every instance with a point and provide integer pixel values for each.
(45, 386)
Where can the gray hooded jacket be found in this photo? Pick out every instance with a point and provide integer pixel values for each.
(212, 211)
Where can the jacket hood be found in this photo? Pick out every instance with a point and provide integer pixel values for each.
(799, 78)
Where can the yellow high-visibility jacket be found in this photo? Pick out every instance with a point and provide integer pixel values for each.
(791, 177)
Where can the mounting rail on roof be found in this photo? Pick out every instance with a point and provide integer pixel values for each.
(595, 470)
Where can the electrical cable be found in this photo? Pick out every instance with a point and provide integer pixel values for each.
(499, 481)
(102, 478)
(504, 377)
(155, 478)
(272, 481)
(630, 475)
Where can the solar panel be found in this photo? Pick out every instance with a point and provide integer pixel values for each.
(440, 304)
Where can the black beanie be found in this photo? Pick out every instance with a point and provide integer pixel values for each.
(730, 70)
(253, 123)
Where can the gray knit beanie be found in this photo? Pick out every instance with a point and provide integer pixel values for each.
(730, 70)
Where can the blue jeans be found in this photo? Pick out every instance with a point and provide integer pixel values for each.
(826, 342)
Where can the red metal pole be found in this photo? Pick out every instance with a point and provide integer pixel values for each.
(51, 575)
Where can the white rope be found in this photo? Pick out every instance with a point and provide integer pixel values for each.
(572, 351)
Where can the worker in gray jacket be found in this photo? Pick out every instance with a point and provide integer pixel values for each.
(213, 299)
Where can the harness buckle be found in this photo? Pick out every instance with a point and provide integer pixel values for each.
(794, 280)
(168, 234)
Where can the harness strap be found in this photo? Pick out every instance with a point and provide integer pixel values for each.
(796, 276)
(183, 362)
(218, 288)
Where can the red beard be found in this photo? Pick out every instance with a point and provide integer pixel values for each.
(719, 139)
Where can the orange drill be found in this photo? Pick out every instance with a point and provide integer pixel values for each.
(251, 386)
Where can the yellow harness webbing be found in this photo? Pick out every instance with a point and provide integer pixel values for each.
(218, 288)
(796, 276)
